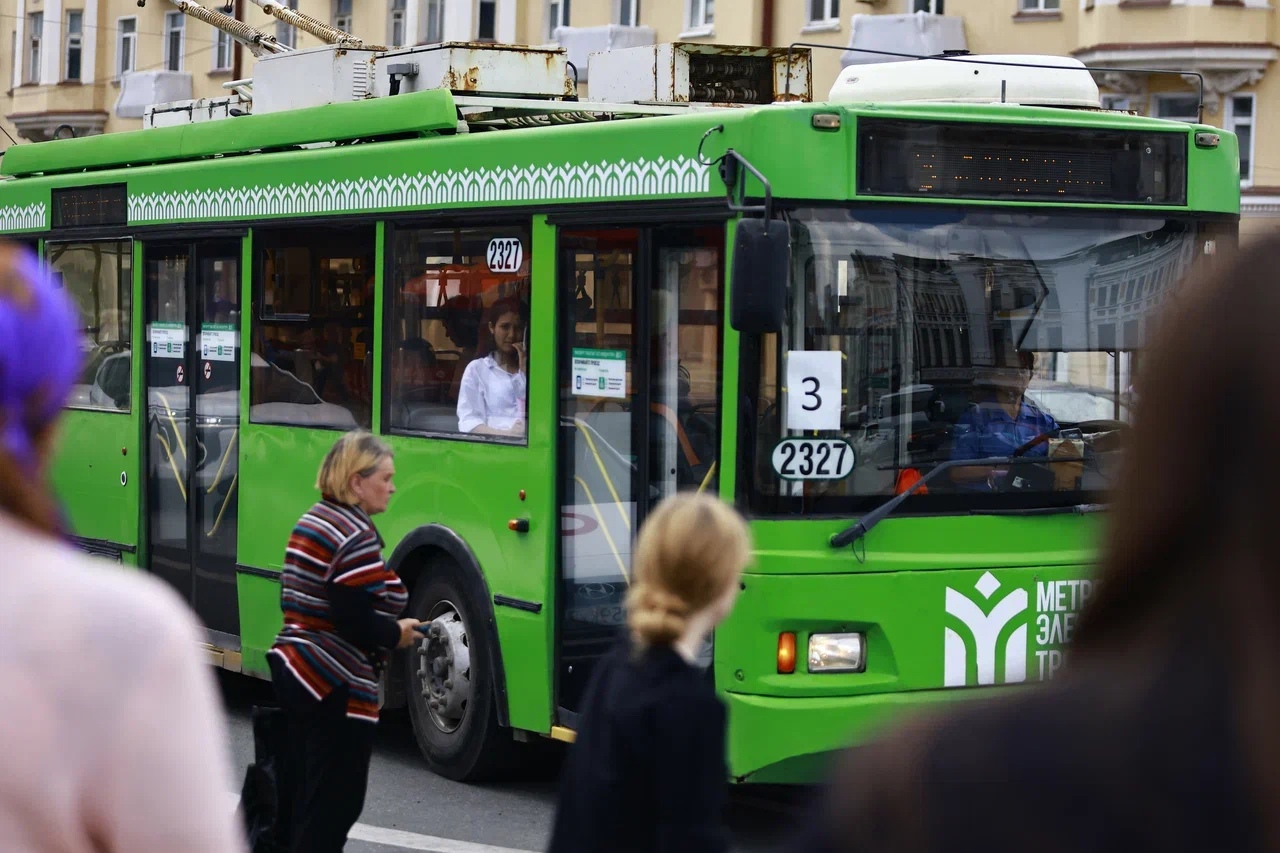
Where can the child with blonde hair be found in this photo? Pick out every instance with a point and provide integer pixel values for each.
(648, 769)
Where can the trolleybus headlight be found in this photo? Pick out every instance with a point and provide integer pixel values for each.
(837, 653)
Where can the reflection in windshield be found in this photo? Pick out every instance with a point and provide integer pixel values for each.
(966, 335)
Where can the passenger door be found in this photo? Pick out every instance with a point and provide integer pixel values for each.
(641, 320)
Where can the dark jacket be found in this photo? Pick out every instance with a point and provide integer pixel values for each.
(1130, 757)
(648, 771)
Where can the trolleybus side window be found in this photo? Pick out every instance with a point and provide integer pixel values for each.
(312, 360)
(99, 278)
(458, 316)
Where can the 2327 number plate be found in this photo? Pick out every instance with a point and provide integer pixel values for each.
(813, 459)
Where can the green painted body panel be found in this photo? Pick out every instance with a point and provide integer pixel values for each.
(905, 618)
(97, 470)
(86, 474)
(419, 112)
(897, 588)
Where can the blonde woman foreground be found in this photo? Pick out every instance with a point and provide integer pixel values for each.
(648, 769)
(112, 735)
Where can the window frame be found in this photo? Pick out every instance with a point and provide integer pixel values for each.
(223, 41)
(396, 22)
(124, 38)
(175, 22)
(33, 48)
(1039, 7)
(434, 20)
(634, 16)
(830, 10)
(1162, 97)
(1233, 122)
(557, 15)
(389, 340)
(697, 22)
(343, 20)
(936, 7)
(269, 239)
(74, 41)
(126, 247)
(493, 4)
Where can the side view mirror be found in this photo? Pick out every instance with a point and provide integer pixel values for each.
(761, 266)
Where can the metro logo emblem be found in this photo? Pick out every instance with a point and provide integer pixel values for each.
(985, 629)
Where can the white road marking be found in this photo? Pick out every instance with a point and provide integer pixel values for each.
(409, 840)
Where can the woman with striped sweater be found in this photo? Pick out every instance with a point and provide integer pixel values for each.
(341, 604)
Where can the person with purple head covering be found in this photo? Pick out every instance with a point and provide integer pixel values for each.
(111, 730)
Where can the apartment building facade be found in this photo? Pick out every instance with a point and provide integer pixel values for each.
(91, 66)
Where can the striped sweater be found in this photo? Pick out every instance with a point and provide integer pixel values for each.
(340, 604)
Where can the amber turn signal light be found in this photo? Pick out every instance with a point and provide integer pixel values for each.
(786, 653)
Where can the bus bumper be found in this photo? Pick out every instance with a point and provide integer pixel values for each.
(791, 741)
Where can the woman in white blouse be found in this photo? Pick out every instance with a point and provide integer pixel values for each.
(491, 399)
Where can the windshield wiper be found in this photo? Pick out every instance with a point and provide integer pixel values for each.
(871, 519)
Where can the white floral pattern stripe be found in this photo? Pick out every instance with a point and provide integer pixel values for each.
(605, 180)
(33, 217)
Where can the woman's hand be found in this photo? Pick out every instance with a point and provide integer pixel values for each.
(524, 358)
(408, 632)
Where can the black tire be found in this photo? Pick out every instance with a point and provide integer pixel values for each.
(471, 747)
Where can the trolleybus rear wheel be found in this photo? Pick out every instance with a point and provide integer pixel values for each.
(452, 704)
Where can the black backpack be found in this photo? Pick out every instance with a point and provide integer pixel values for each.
(263, 799)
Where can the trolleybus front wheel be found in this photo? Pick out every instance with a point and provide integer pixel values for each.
(450, 686)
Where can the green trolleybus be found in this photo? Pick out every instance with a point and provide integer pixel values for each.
(894, 325)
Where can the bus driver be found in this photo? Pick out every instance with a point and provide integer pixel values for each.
(491, 398)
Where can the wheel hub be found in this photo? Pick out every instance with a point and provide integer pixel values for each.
(444, 668)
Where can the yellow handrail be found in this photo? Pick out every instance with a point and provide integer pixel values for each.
(177, 477)
(604, 527)
(217, 522)
(226, 454)
(608, 481)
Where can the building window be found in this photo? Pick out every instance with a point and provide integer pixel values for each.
(174, 24)
(342, 15)
(702, 14)
(1039, 5)
(487, 20)
(285, 33)
(99, 279)
(824, 11)
(35, 32)
(75, 45)
(1116, 102)
(222, 51)
(1240, 122)
(932, 7)
(557, 16)
(435, 21)
(1176, 107)
(629, 13)
(396, 24)
(459, 316)
(126, 45)
(313, 327)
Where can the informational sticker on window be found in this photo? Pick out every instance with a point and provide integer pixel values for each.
(600, 373)
(218, 342)
(168, 340)
(505, 254)
(813, 389)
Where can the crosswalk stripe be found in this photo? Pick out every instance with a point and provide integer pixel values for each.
(409, 840)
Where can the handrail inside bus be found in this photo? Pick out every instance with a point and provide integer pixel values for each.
(977, 61)
(604, 528)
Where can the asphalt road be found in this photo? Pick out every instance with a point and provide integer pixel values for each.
(410, 808)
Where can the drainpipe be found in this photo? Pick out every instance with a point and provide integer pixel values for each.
(766, 23)
(237, 48)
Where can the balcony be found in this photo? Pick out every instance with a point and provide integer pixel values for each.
(1230, 45)
(41, 112)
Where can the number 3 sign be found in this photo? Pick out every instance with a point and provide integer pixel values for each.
(813, 389)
